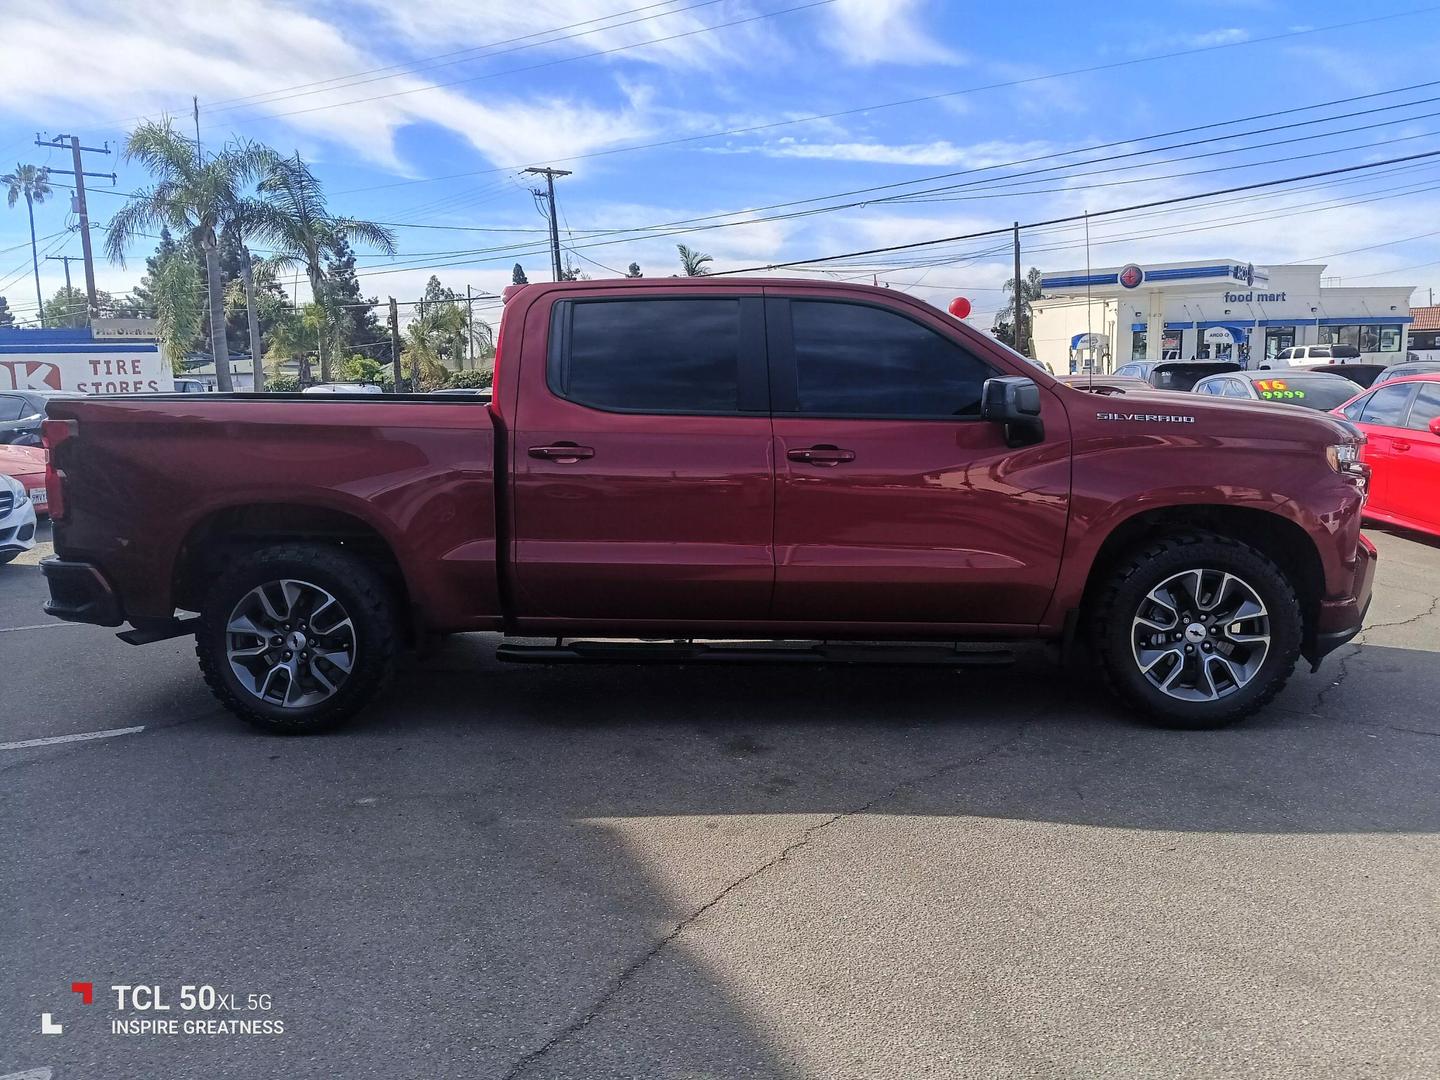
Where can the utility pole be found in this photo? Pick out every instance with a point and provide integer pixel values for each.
(80, 207)
(550, 175)
(66, 260)
(1019, 316)
(395, 344)
(469, 328)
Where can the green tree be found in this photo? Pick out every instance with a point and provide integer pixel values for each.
(693, 263)
(470, 380)
(69, 307)
(633, 270)
(7, 317)
(282, 384)
(179, 305)
(1004, 326)
(195, 196)
(517, 276)
(360, 369)
(357, 330)
(267, 298)
(298, 224)
(32, 182)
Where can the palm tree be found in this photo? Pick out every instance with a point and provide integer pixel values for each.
(693, 262)
(195, 196)
(295, 221)
(33, 182)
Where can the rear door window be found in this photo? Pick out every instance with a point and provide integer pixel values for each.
(1387, 406)
(1426, 406)
(859, 360)
(653, 355)
(12, 407)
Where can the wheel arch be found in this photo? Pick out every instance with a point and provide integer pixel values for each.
(249, 526)
(1282, 540)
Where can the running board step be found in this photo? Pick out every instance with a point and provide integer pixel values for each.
(607, 652)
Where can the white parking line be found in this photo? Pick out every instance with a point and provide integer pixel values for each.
(37, 626)
(29, 1074)
(54, 740)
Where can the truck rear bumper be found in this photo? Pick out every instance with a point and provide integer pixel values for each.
(1338, 621)
(79, 592)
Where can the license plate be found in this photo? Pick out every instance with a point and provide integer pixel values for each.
(37, 496)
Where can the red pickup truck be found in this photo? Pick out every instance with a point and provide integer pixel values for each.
(712, 461)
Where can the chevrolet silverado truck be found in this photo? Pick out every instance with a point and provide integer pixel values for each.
(716, 470)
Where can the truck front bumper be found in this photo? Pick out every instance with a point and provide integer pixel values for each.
(79, 592)
(1338, 621)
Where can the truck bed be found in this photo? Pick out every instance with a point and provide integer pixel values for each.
(152, 474)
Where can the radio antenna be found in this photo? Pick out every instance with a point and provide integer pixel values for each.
(1089, 320)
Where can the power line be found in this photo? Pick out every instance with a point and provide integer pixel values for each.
(943, 95)
(401, 70)
(547, 64)
(1098, 213)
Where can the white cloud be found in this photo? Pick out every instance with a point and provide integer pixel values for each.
(266, 45)
(869, 32)
(940, 152)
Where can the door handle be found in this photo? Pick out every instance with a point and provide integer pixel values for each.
(1400, 447)
(824, 454)
(564, 453)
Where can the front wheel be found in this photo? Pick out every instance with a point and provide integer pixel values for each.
(296, 638)
(1197, 630)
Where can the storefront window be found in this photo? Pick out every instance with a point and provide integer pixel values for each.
(1277, 338)
(1137, 343)
(1367, 338)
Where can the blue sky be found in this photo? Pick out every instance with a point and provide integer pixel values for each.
(423, 115)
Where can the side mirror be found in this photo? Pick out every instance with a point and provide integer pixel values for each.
(1435, 426)
(1014, 401)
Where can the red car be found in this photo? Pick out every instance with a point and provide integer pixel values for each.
(1401, 421)
(716, 458)
(27, 464)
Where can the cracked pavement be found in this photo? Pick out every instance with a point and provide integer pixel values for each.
(619, 872)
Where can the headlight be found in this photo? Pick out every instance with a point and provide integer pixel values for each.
(1342, 456)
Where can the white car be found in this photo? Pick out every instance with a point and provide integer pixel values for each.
(17, 519)
(343, 388)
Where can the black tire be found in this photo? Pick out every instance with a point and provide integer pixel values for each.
(7, 556)
(1120, 600)
(371, 644)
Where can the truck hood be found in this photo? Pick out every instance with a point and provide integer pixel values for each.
(1262, 420)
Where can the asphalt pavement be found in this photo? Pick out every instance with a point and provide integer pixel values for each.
(507, 871)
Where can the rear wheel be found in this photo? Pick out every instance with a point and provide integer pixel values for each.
(296, 638)
(1197, 630)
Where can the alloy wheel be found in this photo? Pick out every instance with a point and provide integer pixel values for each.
(1200, 635)
(290, 643)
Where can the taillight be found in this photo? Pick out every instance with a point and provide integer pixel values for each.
(54, 434)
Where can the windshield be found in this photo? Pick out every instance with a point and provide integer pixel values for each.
(1325, 392)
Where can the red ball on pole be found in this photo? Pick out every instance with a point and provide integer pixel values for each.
(960, 307)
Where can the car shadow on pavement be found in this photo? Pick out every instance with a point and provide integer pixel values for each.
(516, 871)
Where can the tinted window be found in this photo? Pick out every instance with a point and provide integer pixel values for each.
(1323, 393)
(650, 355)
(855, 360)
(1211, 386)
(12, 408)
(1356, 407)
(1386, 406)
(1426, 407)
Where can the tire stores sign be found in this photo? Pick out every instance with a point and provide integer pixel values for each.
(121, 357)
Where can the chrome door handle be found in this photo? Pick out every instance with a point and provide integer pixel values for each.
(564, 453)
(823, 454)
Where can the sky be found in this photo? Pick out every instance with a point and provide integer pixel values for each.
(764, 131)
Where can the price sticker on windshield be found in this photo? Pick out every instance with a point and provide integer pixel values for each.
(1277, 390)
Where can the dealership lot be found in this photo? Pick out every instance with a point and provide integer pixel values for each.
(516, 871)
